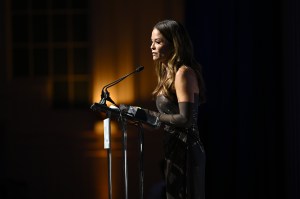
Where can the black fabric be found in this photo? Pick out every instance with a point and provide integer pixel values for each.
(250, 53)
(144, 115)
(183, 118)
(184, 152)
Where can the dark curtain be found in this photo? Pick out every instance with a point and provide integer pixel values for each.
(250, 124)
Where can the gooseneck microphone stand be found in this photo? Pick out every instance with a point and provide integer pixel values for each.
(122, 118)
(105, 94)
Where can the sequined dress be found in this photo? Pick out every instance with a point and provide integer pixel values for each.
(184, 155)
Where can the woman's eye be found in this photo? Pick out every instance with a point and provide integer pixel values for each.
(156, 42)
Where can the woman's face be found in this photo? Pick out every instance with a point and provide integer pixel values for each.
(160, 47)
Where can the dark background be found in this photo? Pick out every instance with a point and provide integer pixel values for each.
(250, 124)
(250, 56)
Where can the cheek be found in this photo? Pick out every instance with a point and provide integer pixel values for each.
(165, 51)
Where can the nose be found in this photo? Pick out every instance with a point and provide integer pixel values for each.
(152, 46)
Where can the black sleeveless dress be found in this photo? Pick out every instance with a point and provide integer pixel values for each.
(184, 155)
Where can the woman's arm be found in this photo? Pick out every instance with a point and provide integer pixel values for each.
(186, 86)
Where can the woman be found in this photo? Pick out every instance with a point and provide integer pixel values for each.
(178, 94)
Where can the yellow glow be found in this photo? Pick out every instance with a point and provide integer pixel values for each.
(122, 92)
(99, 127)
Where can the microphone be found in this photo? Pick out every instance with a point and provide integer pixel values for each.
(105, 94)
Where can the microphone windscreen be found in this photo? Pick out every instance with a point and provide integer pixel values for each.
(139, 69)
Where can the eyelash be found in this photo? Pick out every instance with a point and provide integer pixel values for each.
(158, 42)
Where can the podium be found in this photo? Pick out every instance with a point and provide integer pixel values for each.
(123, 119)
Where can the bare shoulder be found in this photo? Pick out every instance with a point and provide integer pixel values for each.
(185, 72)
(186, 84)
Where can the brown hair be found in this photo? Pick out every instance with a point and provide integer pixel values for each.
(183, 54)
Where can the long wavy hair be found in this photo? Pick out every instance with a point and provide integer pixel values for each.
(182, 54)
